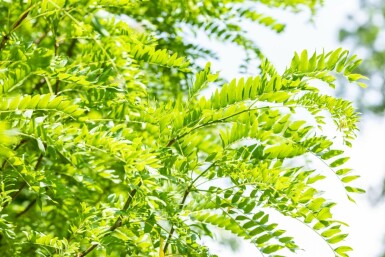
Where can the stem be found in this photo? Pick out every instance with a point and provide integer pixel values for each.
(118, 223)
(39, 85)
(16, 147)
(186, 193)
(203, 172)
(173, 228)
(56, 51)
(57, 86)
(30, 205)
(22, 186)
(14, 27)
(70, 50)
(172, 141)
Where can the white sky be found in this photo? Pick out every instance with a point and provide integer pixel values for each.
(367, 223)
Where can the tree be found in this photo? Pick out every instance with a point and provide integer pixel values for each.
(110, 148)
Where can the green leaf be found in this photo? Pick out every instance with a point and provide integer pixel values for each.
(331, 154)
(44, 101)
(330, 232)
(343, 249)
(271, 249)
(355, 77)
(348, 179)
(354, 190)
(264, 238)
(339, 162)
(337, 238)
(341, 172)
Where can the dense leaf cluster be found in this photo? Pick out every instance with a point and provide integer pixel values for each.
(110, 147)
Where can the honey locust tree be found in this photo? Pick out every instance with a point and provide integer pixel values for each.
(108, 147)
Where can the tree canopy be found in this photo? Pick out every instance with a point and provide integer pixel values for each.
(115, 142)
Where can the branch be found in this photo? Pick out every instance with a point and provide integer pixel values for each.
(118, 223)
(22, 186)
(14, 27)
(172, 141)
(70, 50)
(30, 205)
(173, 228)
(23, 141)
(186, 193)
(57, 86)
(38, 85)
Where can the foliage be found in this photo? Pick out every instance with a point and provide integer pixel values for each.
(366, 35)
(110, 147)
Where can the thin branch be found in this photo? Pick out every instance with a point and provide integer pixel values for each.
(71, 47)
(4, 41)
(22, 186)
(173, 228)
(39, 85)
(202, 173)
(181, 205)
(56, 48)
(23, 141)
(57, 86)
(118, 223)
(222, 120)
(17, 23)
(29, 206)
(172, 141)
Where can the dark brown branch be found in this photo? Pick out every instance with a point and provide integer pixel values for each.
(20, 20)
(29, 206)
(4, 41)
(172, 141)
(57, 86)
(39, 85)
(71, 47)
(118, 223)
(21, 187)
(14, 27)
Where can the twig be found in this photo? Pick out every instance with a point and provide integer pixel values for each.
(70, 50)
(16, 147)
(7, 36)
(181, 205)
(30, 205)
(172, 141)
(57, 86)
(173, 228)
(22, 186)
(39, 85)
(118, 223)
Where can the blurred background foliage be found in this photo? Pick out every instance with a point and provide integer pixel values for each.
(365, 30)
